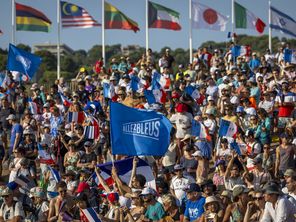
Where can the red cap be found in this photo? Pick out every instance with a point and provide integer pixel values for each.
(82, 186)
(112, 197)
(180, 108)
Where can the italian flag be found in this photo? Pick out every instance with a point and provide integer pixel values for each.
(115, 19)
(161, 17)
(245, 19)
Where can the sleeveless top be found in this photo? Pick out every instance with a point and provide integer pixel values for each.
(286, 157)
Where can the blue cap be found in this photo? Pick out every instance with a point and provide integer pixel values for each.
(240, 109)
(12, 185)
(193, 188)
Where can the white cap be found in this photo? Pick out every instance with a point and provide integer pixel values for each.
(11, 117)
(197, 153)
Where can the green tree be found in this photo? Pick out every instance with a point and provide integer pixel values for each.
(68, 64)
(24, 47)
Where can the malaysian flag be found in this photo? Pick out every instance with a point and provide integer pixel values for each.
(74, 16)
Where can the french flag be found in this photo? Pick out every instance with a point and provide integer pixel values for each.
(33, 107)
(155, 96)
(227, 128)
(240, 50)
(91, 215)
(55, 174)
(161, 79)
(44, 156)
(93, 130)
(199, 130)
(192, 91)
(65, 101)
(108, 90)
(124, 171)
(77, 117)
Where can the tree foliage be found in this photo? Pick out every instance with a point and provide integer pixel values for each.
(71, 63)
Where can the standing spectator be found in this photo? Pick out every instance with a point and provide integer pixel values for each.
(16, 133)
(194, 204)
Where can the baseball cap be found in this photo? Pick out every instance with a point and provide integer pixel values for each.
(87, 143)
(197, 153)
(178, 167)
(210, 98)
(193, 188)
(238, 190)
(289, 173)
(240, 109)
(6, 192)
(11, 117)
(147, 191)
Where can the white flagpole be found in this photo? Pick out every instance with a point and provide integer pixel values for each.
(147, 26)
(232, 16)
(103, 32)
(269, 29)
(190, 31)
(59, 39)
(13, 21)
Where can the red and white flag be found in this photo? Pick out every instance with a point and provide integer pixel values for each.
(44, 156)
(75, 16)
(204, 17)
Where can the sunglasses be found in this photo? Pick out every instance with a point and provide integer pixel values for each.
(62, 191)
(258, 198)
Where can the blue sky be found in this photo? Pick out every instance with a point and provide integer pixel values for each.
(135, 9)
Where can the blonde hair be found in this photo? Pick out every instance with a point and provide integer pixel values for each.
(169, 200)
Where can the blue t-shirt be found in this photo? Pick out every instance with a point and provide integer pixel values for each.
(16, 128)
(194, 209)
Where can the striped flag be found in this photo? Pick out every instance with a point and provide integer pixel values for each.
(55, 174)
(115, 19)
(44, 156)
(77, 117)
(65, 101)
(75, 16)
(199, 130)
(108, 90)
(124, 170)
(227, 128)
(33, 108)
(91, 215)
(192, 91)
(24, 182)
(91, 131)
(30, 19)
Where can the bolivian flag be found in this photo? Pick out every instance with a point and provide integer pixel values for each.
(30, 19)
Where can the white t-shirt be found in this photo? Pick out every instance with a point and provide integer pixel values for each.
(183, 123)
(9, 213)
(169, 158)
(180, 184)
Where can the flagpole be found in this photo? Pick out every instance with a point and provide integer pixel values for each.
(59, 39)
(232, 16)
(269, 29)
(103, 32)
(190, 31)
(13, 21)
(147, 24)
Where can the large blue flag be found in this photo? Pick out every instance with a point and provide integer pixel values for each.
(138, 132)
(22, 61)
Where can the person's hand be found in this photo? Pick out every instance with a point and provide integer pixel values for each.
(135, 160)
(114, 170)
(250, 204)
(97, 170)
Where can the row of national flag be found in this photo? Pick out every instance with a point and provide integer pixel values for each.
(159, 16)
